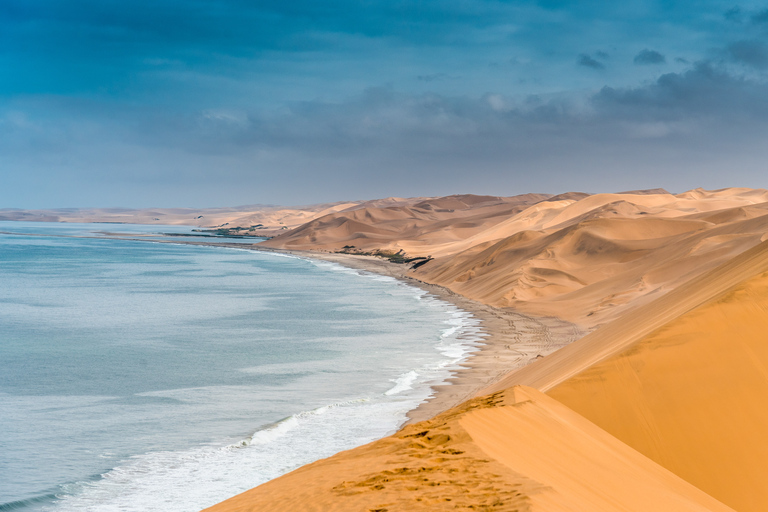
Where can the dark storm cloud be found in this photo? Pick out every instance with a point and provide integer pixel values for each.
(589, 62)
(489, 127)
(701, 92)
(647, 56)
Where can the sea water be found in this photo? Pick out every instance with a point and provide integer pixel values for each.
(139, 376)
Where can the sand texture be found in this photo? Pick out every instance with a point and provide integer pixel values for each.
(517, 450)
(692, 395)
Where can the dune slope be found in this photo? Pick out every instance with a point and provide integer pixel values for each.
(517, 450)
(692, 394)
(620, 335)
(584, 258)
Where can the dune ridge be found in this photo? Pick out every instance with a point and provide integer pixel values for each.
(691, 393)
(619, 335)
(516, 450)
(584, 258)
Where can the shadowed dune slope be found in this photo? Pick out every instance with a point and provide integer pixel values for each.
(516, 450)
(621, 334)
(596, 268)
(424, 226)
(692, 394)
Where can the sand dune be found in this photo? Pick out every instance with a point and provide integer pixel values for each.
(517, 450)
(683, 380)
(691, 395)
(677, 370)
(584, 258)
(261, 220)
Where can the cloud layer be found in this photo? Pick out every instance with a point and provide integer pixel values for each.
(204, 103)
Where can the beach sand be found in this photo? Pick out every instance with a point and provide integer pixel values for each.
(513, 340)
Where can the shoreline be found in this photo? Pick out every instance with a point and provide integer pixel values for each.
(512, 340)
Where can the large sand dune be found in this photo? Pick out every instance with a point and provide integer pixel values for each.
(517, 450)
(584, 258)
(692, 394)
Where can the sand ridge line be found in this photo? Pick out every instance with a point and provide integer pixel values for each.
(461, 460)
(620, 334)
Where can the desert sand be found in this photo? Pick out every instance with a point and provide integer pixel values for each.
(659, 407)
(514, 450)
(253, 220)
(584, 259)
(626, 366)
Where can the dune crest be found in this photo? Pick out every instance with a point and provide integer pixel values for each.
(691, 394)
(584, 258)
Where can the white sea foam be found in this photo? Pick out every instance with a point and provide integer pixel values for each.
(191, 479)
(403, 383)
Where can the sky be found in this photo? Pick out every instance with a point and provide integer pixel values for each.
(204, 103)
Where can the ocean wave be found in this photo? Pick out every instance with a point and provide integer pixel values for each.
(194, 478)
(188, 480)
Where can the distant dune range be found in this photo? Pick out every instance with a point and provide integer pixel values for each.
(585, 259)
(662, 406)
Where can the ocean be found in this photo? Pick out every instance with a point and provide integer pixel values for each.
(140, 376)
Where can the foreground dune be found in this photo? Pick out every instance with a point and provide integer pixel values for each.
(517, 450)
(692, 394)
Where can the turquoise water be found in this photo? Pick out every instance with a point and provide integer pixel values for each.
(146, 376)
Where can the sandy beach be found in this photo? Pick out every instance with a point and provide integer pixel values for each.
(513, 340)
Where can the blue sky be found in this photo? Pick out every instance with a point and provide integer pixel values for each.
(205, 103)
